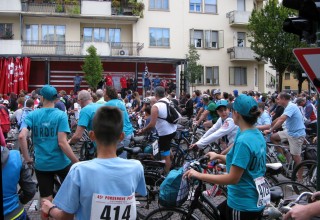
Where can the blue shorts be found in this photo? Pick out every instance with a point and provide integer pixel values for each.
(166, 153)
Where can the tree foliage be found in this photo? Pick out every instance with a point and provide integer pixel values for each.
(267, 38)
(194, 70)
(92, 67)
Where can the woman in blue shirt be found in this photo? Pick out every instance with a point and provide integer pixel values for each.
(248, 192)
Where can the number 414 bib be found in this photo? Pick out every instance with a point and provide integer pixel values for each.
(113, 207)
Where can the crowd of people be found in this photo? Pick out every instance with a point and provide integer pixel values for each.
(103, 116)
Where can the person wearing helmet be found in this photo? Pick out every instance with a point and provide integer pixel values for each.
(207, 112)
(224, 128)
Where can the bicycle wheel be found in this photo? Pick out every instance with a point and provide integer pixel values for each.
(145, 204)
(309, 173)
(177, 157)
(169, 213)
(291, 189)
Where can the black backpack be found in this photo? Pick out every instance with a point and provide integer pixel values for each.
(172, 114)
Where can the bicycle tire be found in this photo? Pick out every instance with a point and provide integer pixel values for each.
(309, 177)
(291, 189)
(169, 213)
(177, 157)
(150, 202)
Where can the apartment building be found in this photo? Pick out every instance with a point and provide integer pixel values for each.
(56, 34)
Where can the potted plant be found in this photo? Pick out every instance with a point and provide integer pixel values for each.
(137, 7)
(115, 4)
(8, 35)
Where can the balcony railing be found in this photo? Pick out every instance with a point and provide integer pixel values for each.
(243, 54)
(50, 8)
(77, 48)
(238, 18)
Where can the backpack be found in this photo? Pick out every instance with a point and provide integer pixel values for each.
(174, 190)
(4, 119)
(310, 152)
(24, 114)
(172, 114)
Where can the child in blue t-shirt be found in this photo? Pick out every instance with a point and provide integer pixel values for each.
(105, 186)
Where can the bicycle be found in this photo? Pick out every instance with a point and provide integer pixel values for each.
(309, 173)
(197, 200)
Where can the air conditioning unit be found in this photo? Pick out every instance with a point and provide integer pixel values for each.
(123, 52)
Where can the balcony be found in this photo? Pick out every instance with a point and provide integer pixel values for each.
(50, 8)
(10, 46)
(77, 48)
(243, 54)
(238, 18)
(11, 6)
(95, 8)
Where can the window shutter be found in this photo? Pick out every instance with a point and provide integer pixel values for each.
(207, 39)
(221, 39)
(192, 37)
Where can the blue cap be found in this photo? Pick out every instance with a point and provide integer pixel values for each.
(235, 92)
(49, 93)
(243, 104)
(221, 103)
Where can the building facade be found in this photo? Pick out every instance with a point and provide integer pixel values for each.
(56, 36)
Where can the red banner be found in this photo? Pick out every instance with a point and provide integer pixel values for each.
(14, 74)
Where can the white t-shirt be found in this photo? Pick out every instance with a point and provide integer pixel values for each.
(77, 109)
(163, 127)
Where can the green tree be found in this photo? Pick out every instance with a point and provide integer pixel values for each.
(267, 38)
(193, 70)
(92, 68)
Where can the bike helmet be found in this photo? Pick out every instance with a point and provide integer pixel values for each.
(148, 149)
(146, 100)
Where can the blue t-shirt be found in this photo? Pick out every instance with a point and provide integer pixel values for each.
(248, 153)
(294, 123)
(45, 124)
(156, 82)
(86, 115)
(127, 126)
(264, 119)
(115, 177)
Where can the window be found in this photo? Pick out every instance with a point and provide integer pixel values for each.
(206, 38)
(212, 75)
(52, 33)
(199, 80)
(195, 5)
(287, 76)
(94, 34)
(241, 5)
(255, 77)
(115, 35)
(159, 4)
(241, 39)
(238, 76)
(287, 87)
(32, 34)
(159, 37)
(210, 6)
(6, 31)
(211, 39)
(198, 38)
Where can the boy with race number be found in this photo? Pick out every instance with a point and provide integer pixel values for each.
(97, 189)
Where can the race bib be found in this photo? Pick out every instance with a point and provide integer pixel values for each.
(113, 207)
(263, 190)
(155, 147)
